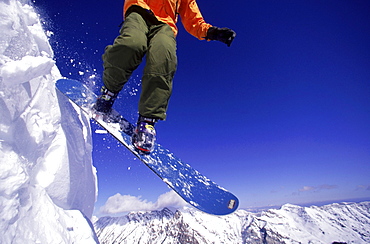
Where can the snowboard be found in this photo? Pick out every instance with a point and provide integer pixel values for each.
(191, 185)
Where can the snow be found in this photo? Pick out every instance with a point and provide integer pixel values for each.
(343, 223)
(24, 70)
(47, 181)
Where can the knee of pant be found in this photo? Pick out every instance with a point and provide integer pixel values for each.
(133, 40)
(135, 46)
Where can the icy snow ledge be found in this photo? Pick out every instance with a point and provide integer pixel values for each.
(28, 215)
(17, 72)
(47, 181)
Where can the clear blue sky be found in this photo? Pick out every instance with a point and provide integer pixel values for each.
(283, 115)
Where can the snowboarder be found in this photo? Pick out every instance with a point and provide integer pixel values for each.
(150, 29)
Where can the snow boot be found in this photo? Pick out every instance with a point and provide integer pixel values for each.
(105, 101)
(144, 135)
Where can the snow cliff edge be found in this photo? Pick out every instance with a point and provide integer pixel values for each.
(47, 181)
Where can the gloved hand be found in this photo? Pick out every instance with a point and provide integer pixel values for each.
(224, 35)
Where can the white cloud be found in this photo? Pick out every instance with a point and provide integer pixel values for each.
(307, 188)
(363, 187)
(126, 203)
(170, 199)
(316, 188)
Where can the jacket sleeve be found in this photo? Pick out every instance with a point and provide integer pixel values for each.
(192, 19)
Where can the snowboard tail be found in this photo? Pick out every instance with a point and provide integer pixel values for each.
(192, 186)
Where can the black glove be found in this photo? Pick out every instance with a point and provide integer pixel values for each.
(224, 35)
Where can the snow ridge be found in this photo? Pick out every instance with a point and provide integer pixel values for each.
(47, 187)
(334, 223)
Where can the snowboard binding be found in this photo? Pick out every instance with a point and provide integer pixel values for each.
(144, 135)
(105, 101)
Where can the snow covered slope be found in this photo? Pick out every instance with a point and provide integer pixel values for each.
(341, 223)
(47, 182)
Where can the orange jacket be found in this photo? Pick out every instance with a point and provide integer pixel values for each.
(165, 11)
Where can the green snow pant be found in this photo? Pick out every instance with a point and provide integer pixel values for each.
(139, 37)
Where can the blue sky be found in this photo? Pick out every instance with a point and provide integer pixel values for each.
(283, 115)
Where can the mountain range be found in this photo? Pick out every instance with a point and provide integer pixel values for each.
(333, 223)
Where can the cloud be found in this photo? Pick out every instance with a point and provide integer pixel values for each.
(170, 199)
(317, 188)
(126, 203)
(307, 188)
(363, 187)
